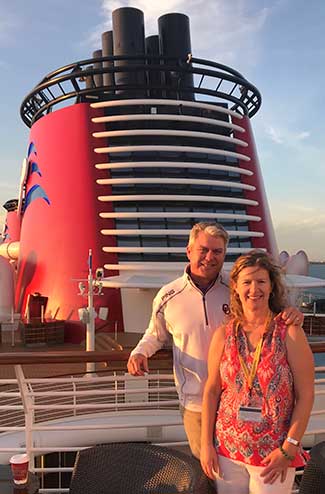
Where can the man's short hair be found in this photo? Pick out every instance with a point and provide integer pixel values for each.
(211, 228)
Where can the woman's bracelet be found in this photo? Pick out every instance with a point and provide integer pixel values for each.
(286, 455)
(293, 441)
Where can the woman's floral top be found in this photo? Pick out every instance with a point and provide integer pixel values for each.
(272, 391)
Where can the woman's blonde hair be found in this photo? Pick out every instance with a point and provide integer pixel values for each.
(260, 259)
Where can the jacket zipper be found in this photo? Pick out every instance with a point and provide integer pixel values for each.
(205, 311)
(203, 299)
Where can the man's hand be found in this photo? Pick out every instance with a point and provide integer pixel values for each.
(291, 316)
(138, 365)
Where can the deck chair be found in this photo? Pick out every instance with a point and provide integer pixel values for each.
(137, 468)
(313, 478)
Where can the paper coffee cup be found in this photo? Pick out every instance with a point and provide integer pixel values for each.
(19, 468)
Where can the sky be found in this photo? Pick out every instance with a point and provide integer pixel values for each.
(278, 45)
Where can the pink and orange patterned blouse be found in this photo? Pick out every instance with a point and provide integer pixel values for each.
(272, 389)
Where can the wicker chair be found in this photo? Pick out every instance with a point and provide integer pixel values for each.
(313, 479)
(137, 468)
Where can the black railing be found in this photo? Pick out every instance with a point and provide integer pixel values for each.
(149, 76)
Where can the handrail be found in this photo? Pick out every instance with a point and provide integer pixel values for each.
(209, 79)
(80, 356)
(74, 356)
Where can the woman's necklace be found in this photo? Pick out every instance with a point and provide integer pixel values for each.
(250, 373)
(255, 326)
(253, 336)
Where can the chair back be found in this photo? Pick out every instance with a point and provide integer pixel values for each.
(313, 479)
(137, 468)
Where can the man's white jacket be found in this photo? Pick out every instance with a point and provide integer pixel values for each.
(190, 317)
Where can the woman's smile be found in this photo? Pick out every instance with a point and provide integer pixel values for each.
(254, 287)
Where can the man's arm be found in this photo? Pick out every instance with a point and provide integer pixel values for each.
(153, 339)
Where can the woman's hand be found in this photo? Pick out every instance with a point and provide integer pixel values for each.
(276, 466)
(209, 462)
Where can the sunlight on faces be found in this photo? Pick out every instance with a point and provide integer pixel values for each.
(206, 255)
(254, 288)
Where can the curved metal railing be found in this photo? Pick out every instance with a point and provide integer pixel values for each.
(82, 81)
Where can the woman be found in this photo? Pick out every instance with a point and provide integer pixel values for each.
(261, 381)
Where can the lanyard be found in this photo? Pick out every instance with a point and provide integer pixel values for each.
(250, 375)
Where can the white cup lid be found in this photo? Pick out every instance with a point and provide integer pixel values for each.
(23, 458)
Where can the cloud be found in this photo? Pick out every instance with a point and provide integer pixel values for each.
(285, 136)
(274, 135)
(152, 10)
(220, 30)
(302, 135)
(224, 30)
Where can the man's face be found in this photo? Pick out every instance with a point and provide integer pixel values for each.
(206, 256)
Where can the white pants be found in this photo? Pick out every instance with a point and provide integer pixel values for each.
(240, 478)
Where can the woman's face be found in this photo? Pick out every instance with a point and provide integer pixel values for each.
(254, 288)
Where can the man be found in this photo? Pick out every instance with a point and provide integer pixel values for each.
(189, 310)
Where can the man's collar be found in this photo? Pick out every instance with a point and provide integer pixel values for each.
(205, 289)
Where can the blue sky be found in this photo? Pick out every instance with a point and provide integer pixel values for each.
(277, 44)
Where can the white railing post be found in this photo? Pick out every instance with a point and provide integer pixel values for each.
(88, 315)
(28, 403)
(90, 337)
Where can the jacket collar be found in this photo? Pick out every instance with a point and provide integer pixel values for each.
(187, 277)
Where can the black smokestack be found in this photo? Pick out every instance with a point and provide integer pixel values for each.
(154, 77)
(107, 51)
(175, 41)
(98, 78)
(128, 40)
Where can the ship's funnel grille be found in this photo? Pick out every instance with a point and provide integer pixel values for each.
(170, 164)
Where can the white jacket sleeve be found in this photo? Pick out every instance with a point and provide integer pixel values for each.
(156, 335)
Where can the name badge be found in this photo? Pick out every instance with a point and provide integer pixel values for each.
(250, 414)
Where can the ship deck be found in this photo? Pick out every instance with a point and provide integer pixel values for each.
(111, 406)
(102, 344)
